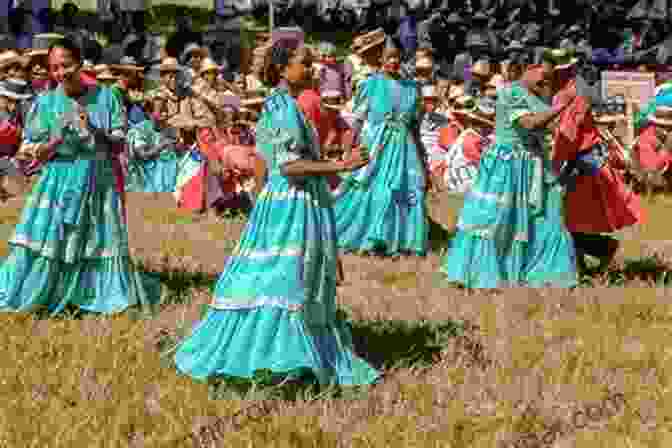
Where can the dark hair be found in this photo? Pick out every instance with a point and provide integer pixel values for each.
(71, 44)
(274, 65)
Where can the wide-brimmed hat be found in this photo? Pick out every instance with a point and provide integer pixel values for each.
(42, 43)
(662, 116)
(208, 65)
(366, 42)
(15, 88)
(424, 63)
(429, 92)
(104, 73)
(128, 64)
(11, 57)
(168, 65)
(482, 68)
(455, 92)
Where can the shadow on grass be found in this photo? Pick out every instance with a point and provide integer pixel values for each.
(649, 269)
(391, 344)
(439, 237)
(178, 283)
(385, 344)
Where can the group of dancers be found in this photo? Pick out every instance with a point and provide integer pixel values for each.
(542, 187)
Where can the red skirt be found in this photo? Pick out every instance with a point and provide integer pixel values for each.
(602, 203)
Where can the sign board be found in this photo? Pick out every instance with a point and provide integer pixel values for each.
(639, 87)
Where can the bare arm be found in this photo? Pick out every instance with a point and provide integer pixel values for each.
(302, 167)
(540, 119)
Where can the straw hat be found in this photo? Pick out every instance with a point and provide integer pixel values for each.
(42, 43)
(482, 68)
(103, 73)
(429, 92)
(424, 63)
(261, 50)
(663, 116)
(208, 65)
(169, 65)
(194, 48)
(366, 42)
(455, 92)
(11, 57)
(496, 80)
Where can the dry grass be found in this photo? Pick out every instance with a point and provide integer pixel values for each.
(521, 366)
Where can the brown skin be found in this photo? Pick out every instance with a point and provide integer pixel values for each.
(545, 88)
(297, 74)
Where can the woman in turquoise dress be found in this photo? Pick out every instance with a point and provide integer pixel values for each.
(274, 306)
(153, 161)
(511, 230)
(380, 208)
(71, 244)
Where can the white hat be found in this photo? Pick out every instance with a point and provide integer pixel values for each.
(14, 88)
(429, 91)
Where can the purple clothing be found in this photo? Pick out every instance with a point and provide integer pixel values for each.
(604, 56)
(332, 77)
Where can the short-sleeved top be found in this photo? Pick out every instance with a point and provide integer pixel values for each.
(514, 102)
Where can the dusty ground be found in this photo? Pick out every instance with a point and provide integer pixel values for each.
(523, 368)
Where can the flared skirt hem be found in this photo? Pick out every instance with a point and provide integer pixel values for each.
(241, 343)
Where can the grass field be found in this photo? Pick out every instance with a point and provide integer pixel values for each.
(587, 368)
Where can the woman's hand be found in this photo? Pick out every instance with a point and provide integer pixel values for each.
(565, 98)
(359, 158)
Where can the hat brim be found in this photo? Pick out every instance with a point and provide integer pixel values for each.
(127, 68)
(107, 77)
(661, 121)
(363, 49)
(21, 60)
(16, 96)
(37, 53)
(567, 65)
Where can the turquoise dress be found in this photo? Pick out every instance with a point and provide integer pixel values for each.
(511, 230)
(71, 244)
(274, 306)
(381, 207)
(157, 174)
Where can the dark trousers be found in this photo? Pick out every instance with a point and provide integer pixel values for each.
(595, 245)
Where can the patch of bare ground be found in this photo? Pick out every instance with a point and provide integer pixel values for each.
(519, 368)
